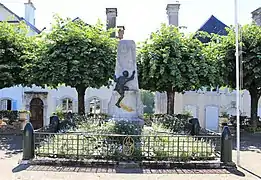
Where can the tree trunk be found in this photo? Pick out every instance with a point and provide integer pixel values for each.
(170, 103)
(254, 105)
(81, 104)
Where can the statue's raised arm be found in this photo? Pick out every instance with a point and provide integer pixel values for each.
(132, 76)
(114, 78)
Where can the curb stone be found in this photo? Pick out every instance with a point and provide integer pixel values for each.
(128, 165)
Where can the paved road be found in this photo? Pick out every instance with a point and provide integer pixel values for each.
(10, 170)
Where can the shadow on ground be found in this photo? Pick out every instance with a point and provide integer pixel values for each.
(249, 142)
(250, 172)
(108, 169)
(10, 145)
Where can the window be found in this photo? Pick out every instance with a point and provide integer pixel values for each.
(67, 105)
(95, 106)
(6, 104)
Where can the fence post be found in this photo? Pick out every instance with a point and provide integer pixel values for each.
(28, 142)
(226, 145)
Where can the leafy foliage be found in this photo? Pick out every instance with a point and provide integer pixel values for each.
(76, 55)
(172, 62)
(177, 123)
(102, 145)
(250, 66)
(10, 115)
(16, 50)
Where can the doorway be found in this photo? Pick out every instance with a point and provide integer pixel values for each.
(212, 118)
(36, 110)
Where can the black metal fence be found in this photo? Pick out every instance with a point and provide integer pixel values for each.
(126, 147)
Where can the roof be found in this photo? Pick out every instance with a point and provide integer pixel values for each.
(257, 11)
(213, 25)
(20, 19)
(79, 19)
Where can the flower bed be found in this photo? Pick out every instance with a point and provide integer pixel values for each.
(125, 141)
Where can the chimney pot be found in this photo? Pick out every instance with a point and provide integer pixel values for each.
(173, 13)
(121, 32)
(111, 19)
(30, 12)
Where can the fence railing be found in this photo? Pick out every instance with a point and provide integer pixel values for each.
(117, 147)
(126, 147)
(209, 132)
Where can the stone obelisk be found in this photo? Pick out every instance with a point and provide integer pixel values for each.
(125, 103)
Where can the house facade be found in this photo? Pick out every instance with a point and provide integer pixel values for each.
(7, 15)
(207, 105)
(42, 102)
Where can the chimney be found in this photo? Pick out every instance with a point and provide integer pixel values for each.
(29, 12)
(121, 32)
(256, 16)
(173, 13)
(111, 19)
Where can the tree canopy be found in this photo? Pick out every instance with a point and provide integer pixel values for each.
(16, 50)
(172, 62)
(77, 55)
(250, 47)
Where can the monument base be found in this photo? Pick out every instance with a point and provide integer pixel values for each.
(131, 107)
(136, 121)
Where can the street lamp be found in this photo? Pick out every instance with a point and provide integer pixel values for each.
(237, 82)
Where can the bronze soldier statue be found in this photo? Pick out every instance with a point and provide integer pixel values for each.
(120, 85)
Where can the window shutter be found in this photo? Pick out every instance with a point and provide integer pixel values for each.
(14, 105)
(1, 105)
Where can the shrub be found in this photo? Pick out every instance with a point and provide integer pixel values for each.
(11, 115)
(175, 123)
(253, 130)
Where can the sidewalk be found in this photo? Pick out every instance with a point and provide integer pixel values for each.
(249, 161)
(10, 154)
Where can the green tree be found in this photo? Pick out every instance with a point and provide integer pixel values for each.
(171, 62)
(76, 55)
(16, 50)
(148, 99)
(251, 63)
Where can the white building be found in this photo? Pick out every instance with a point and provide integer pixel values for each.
(43, 102)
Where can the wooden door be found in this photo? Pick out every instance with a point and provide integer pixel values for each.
(36, 110)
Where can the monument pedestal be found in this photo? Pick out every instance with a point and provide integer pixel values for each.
(126, 83)
(131, 107)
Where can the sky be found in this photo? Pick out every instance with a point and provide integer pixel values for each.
(140, 17)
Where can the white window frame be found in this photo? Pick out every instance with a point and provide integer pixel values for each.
(3, 104)
(68, 100)
(95, 104)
